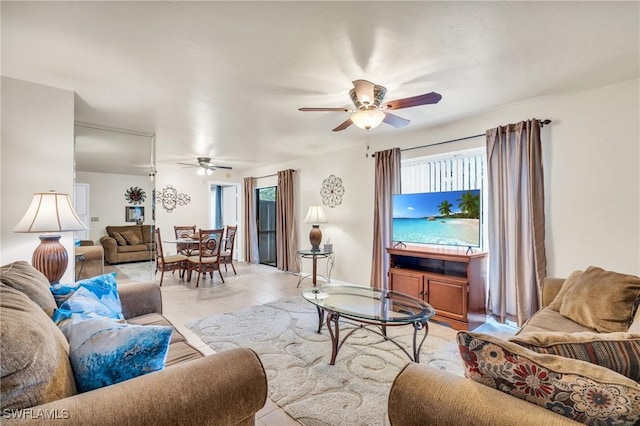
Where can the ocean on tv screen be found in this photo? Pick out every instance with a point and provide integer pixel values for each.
(452, 232)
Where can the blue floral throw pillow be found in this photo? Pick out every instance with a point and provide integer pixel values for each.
(104, 352)
(584, 392)
(102, 288)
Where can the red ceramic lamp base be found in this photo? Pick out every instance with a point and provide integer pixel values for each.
(50, 258)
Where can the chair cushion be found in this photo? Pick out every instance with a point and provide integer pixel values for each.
(581, 391)
(34, 367)
(104, 352)
(25, 278)
(602, 300)
(619, 352)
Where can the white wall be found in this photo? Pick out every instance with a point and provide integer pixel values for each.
(107, 200)
(37, 155)
(350, 225)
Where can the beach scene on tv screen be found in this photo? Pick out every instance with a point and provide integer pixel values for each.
(444, 218)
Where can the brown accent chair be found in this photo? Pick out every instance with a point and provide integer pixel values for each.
(226, 256)
(185, 232)
(176, 262)
(208, 258)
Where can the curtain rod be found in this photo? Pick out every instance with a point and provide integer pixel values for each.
(266, 176)
(542, 124)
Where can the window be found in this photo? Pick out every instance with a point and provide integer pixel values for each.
(444, 172)
(454, 171)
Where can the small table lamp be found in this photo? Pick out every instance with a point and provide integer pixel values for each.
(50, 213)
(315, 216)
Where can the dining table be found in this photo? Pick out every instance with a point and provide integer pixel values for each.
(191, 244)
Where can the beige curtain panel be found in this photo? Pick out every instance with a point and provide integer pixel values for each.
(286, 237)
(517, 260)
(387, 183)
(251, 254)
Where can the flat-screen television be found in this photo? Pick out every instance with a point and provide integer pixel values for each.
(449, 218)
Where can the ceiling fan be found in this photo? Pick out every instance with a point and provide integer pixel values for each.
(204, 166)
(370, 112)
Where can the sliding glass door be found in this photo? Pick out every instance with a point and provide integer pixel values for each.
(266, 218)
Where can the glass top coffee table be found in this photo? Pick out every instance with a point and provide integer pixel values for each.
(372, 309)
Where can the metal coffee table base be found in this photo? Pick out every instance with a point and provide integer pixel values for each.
(333, 319)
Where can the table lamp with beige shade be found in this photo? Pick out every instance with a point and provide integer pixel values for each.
(315, 216)
(50, 213)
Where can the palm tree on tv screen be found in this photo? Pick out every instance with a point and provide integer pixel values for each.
(445, 208)
(470, 204)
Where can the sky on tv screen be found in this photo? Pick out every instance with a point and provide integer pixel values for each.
(425, 204)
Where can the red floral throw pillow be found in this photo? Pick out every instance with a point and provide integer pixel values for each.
(581, 391)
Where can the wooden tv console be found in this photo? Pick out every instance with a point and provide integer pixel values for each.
(451, 281)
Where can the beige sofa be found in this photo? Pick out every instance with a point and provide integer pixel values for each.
(37, 380)
(130, 243)
(423, 395)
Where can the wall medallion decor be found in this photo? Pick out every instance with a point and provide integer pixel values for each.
(332, 191)
(170, 198)
(135, 195)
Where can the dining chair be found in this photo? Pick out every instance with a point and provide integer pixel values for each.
(208, 258)
(176, 262)
(185, 232)
(226, 256)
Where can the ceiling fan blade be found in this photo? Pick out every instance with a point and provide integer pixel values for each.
(394, 120)
(222, 167)
(364, 91)
(324, 109)
(188, 164)
(427, 98)
(343, 125)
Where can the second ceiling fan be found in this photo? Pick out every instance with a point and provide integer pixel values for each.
(370, 111)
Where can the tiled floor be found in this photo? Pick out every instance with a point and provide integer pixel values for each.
(254, 285)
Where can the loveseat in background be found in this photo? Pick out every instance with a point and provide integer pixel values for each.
(37, 378)
(118, 250)
(424, 395)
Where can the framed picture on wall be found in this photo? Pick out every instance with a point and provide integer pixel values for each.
(132, 214)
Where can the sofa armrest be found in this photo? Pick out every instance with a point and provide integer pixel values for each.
(226, 388)
(139, 299)
(550, 289)
(110, 246)
(423, 395)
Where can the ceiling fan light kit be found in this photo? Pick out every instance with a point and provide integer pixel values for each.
(368, 119)
(201, 171)
(370, 112)
(205, 166)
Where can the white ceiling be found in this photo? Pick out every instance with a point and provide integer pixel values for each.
(226, 79)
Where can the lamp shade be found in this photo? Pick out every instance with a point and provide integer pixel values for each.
(315, 215)
(368, 118)
(50, 212)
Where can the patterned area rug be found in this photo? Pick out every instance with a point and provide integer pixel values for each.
(354, 391)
